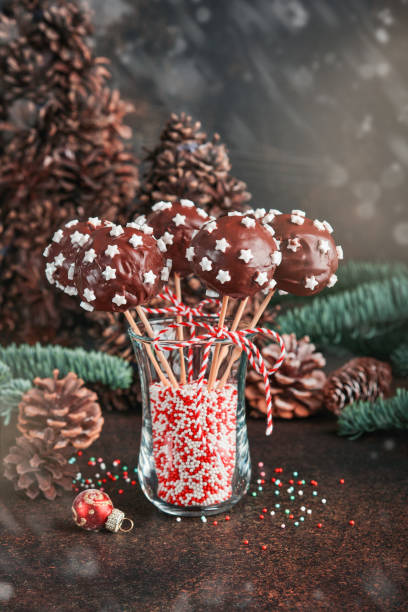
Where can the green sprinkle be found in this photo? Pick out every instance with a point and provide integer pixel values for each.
(296, 524)
(125, 468)
(135, 469)
(295, 473)
(315, 493)
(292, 497)
(277, 493)
(302, 518)
(277, 482)
(287, 511)
(74, 481)
(72, 460)
(253, 494)
(303, 482)
(260, 489)
(277, 505)
(92, 459)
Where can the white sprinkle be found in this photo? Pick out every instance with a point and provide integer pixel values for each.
(109, 273)
(161, 205)
(339, 250)
(309, 511)
(245, 255)
(324, 501)
(332, 281)
(311, 282)
(69, 290)
(146, 229)
(299, 213)
(149, 277)
(269, 229)
(179, 219)
(328, 227)
(95, 221)
(119, 299)
(272, 512)
(80, 239)
(268, 217)
(276, 258)
(203, 519)
(71, 271)
(283, 526)
(201, 212)
(167, 238)
(187, 203)
(282, 292)
(58, 236)
(221, 245)
(262, 278)
(49, 272)
(89, 295)
(248, 222)
(190, 253)
(206, 264)
(59, 260)
(141, 219)
(211, 294)
(223, 276)
(133, 225)
(112, 250)
(116, 230)
(319, 225)
(300, 492)
(297, 219)
(71, 223)
(210, 227)
(89, 256)
(165, 273)
(46, 250)
(87, 306)
(259, 213)
(235, 213)
(303, 508)
(293, 244)
(323, 246)
(136, 240)
(178, 519)
(162, 245)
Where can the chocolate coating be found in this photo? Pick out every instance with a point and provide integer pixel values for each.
(309, 256)
(61, 252)
(173, 225)
(117, 272)
(235, 255)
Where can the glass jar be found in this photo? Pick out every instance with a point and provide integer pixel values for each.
(194, 455)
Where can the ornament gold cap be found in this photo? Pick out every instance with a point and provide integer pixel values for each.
(115, 520)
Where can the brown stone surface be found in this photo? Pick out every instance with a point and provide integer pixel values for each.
(50, 564)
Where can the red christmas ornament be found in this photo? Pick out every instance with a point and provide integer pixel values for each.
(93, 509)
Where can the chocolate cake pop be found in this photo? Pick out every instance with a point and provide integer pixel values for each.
(309, 254)
(236, 255)
(60, 254)
(119, 268)
(174, 225)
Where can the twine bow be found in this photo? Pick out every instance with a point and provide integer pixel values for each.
(240, 339)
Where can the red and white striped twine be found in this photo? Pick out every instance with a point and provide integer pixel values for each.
(240, 339)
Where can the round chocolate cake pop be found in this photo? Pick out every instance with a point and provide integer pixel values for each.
(236, 255)
(60, 254)
(119, 268)
(309, 254)
(174, 225)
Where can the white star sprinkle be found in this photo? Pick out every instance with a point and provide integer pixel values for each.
(201, 212)
(59, 260)
(149, 277)
(206, 264)
(211, 294)
(323, 246)
(210, 227)
(58, 236)
(299, 213)
(179, 219)
(276, 258)
(332, 281)
(223, 276)
(119, 299)
(275, 211)
(221, 245)
(297, 219)
(167, 238)
(190, 253)
(141, 219)
(311, 282)
(69, 290)
(319, 225)
(162, 245)
(112, 250)
(109, 273)
(248, 222)
(87, 306)
(133, 225)
(146, 229)
(89, 295)
(71, 271)
(165, 273)
(234, 213)
(269, 228)
(293, 244)
(246, 255)
(187, 203)
(79, 239)
(268, 217)
(46, 250)
(89, 256)
(328, 227)
(339, 250)
(71, 223)
(95, 221)
(136, 240)
(161, 206)
(259, 213)
(116, 231)
(262, 278)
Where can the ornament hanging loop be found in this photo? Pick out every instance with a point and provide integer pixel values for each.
(131, 525)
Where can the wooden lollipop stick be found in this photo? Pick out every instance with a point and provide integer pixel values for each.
(238, 351)
(234, 327)
(149, 351)
(214, 365)
(180, 334)
(160, 355)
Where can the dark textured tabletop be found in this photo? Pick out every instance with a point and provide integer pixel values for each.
(47, 563)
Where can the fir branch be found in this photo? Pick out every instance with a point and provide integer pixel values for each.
(369, 310)
(28, 362)
(363, 417)
(11, 391)
(399, 359)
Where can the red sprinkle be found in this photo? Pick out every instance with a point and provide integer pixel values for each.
(278, 470)
(313, 483)
(319, 525)
(291, 516)
(280, 484)
(261, 516)
(245, 542)
(264, 547)
(120, 491)
(291, 481)
(262, 481)
(341, 481)
(264, 510)
(273, 479)
(227, 518)
(215, 522)
(351, 523)
(79, 453)
(133, 482)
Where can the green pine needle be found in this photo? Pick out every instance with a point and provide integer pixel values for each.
(29, 362)
(11, 391)
(399, 359)
(363, 417)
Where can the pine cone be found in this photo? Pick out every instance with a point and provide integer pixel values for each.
(297, 387)
(35, 466)
(186, 165)
(362, 378)
(66, 406)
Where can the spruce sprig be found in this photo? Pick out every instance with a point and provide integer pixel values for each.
(363, 417)
(399, 359)
(11, 391)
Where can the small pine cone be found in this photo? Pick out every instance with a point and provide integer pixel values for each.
(362, 378)
(66, 406)
(297, 387)
(35, 466)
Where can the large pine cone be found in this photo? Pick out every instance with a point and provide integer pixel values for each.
(66, 406)
(362, 378)
(297, 387)
(35, 466)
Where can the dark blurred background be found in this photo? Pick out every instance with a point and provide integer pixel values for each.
(310, 97)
